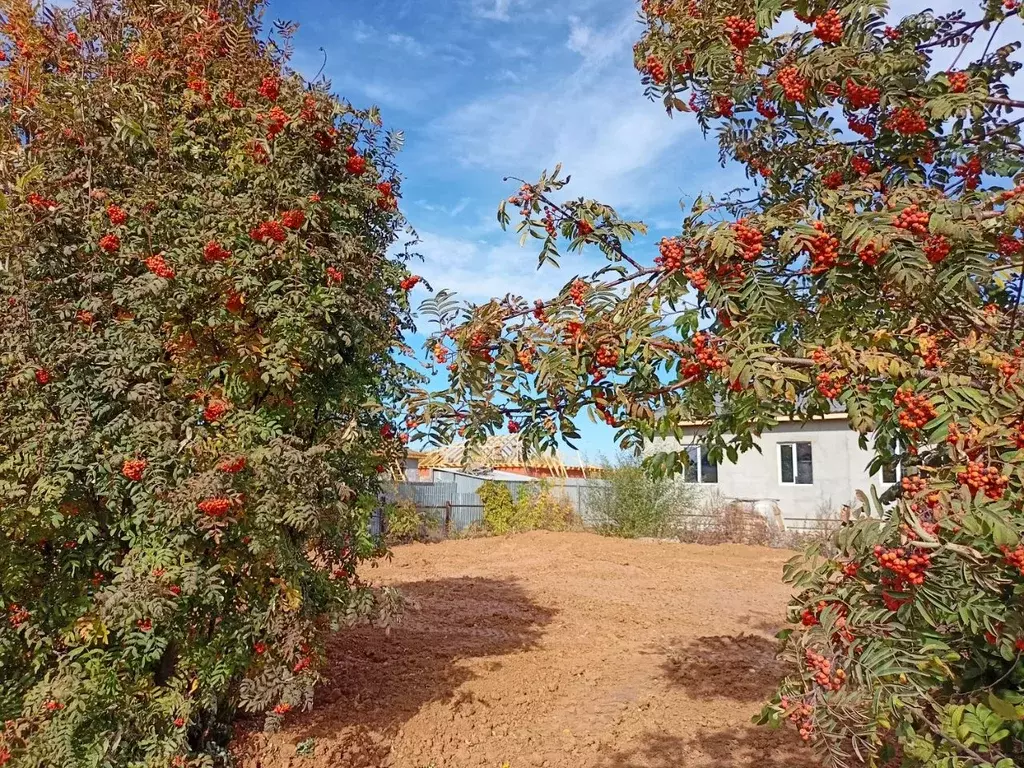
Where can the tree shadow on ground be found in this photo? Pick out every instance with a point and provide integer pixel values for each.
(738, 667)
(746, 746)
(769, 623)
(375, 682)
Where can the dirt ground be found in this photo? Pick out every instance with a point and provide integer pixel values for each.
(549, 650)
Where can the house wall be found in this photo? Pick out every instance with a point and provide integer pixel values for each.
(839, 468)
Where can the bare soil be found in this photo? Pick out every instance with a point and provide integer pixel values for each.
(555, 650)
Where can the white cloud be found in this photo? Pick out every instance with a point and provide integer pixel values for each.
(594, 120)
(479, 271)
(579, 36)
(496, 10)
(408, 43)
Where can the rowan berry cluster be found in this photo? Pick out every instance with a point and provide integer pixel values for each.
(830, 384)
(979, 477)
(110, 243)
(958, 81)
(724, 106)
(232, 466)
(655, 69)
(578, 292)
(823, 249)
(1008, 246)
(698, 277)
(356, 163)
(335, 275)
(707, 352)
(751, 240)
(820, 356)
(387, 200)
(832, 179)
(970, 172)
(862, 126)
(741, 32)
(916, 410)
(913, 485)
(906, 122)
(912, 219)
(869, 254)
(670, 254)
(214, 251)
(215, 507)
(268, 230)
(829, 27)
(574, 330)
(821, 670)
(538, 311)
(1015, 557)
(39, 202)
(270, 88)
(85, 317)
(861, 96)
(794, 87)
(214, 410)
(583, 228)
(408, 283)
(606, 414)
(159, 267)
(936, 248)
(800, 715)
(525, 358)
(293, 219)
(440, 353)
(116, 214)
(134, 468)
(909, 569)
(766, 110)
(861, 165)
(607, 355)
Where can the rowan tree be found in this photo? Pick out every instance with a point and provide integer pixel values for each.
(196, 375)
(874, 262)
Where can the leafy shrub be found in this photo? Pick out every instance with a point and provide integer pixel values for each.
(534, 506)
(194, 372)
(406, 522)
(631, 503)
(542, 506)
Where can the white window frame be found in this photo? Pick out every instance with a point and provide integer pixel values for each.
(898, 467)
(778, 455)
(699, 466)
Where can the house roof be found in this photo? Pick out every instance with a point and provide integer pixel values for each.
(834, 416)
(505, 451)
(488, 474)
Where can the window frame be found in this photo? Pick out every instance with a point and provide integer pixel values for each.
(697, 463)
(796, 463)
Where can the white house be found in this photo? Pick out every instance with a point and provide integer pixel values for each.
(808, 469)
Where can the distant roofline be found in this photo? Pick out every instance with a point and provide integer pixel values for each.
(843, 416)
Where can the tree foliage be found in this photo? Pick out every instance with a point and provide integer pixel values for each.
(196, 375)
(874, 263)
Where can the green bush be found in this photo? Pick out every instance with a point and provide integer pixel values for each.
(535, 506)
(632, 504)
(195, 362)
(406, 522)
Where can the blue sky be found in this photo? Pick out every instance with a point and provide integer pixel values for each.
(489, 88)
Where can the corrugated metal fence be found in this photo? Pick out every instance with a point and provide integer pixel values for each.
(455, 507)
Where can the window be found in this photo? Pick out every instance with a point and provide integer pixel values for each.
(700, 469)
(795, 465)
(892, 473)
